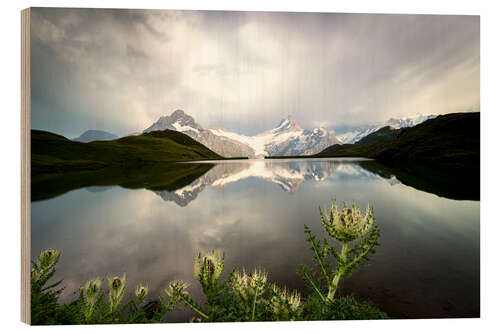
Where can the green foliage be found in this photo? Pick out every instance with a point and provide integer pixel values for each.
(90, 307)
(44, 296)
(242, 296)
(344, 308)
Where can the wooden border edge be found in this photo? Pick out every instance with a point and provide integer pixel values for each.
(25, 167)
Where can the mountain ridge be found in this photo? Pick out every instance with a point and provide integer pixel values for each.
(184, 123)
(357, 133)
(286, 139)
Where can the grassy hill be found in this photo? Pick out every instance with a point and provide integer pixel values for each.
(448, 141)
(384, 134)
(52, 153)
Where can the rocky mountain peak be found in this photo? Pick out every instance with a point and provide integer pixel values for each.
(182, 118)
(177, 120)
(178, 113)
(289, 124)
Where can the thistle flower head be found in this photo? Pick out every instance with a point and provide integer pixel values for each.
(141, 292)
(48, 258)
(249, 285)
(208, 269)
(294, 300)
(175, 288)
(117, 287)
(282, 300)
(35, 275)
(347, 224)
(91, 291)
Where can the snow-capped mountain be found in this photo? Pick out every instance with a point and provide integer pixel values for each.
(357, 133)
(288, 138)
(353, 135)
(409, 121)
(182, 122)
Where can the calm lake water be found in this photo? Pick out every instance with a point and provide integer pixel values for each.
(427, 265)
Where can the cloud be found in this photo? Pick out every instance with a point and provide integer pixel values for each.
(120, 70)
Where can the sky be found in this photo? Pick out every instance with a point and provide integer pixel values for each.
(120, 70)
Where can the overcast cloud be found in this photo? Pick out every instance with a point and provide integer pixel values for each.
(120, 70)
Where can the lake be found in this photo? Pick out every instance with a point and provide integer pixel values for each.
(427, 265)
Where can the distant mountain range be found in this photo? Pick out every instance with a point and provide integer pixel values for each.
(287, 139)
(95, 135)
(354, 134)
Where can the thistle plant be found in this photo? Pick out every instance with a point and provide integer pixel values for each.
(249, 287)
(284, 304)
(91, 293)
(177, 293)
(239, 294)
(48, 259)
(141, 292)
(44, 295)
(117, 286)
(346, 225)
(35, 275)
(96, 310)
(44, 269)
(208, 269)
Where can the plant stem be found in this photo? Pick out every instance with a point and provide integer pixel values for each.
(188, 302)
(253, 307)
(340, 272)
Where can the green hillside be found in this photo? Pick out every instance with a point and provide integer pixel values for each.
(447, 141)
(384, 134)
(52, 153)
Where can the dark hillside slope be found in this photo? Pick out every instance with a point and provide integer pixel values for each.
(54, 153)
(383, 134)
(448, 141)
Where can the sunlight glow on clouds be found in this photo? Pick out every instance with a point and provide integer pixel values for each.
(120, 70)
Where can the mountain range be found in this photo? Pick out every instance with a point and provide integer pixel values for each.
(286, 139)
(354, 134)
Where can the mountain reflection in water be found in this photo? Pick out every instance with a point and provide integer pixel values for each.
(287, 174)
